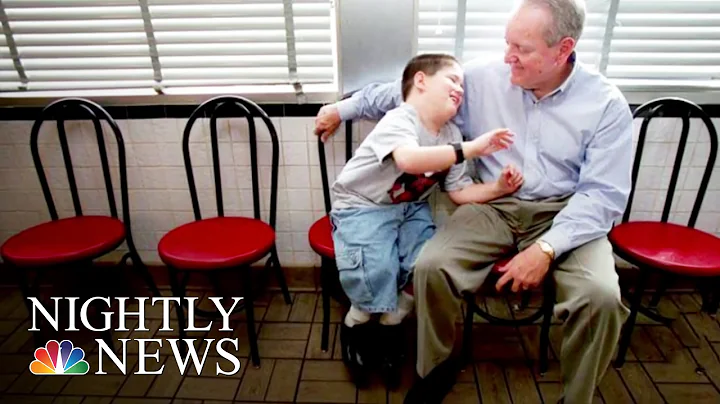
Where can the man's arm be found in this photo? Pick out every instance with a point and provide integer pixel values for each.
(604, 186)
(371, 102)
(600, 197)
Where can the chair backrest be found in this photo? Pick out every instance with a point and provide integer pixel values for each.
(79, 109)
(82, 109)
(685, 110)
(232, 107)
(323, 164)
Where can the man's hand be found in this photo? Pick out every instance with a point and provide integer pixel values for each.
(490, 142)
(527, 269)
(327, 121)
(510, 180)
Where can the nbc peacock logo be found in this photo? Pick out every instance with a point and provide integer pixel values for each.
(59, 359)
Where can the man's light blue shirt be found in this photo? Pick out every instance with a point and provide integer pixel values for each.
(576, 140)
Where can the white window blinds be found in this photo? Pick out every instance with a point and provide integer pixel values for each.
(663, 43)
(643, 44)
(164, 44)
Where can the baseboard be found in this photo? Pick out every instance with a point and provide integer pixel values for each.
(299, 279)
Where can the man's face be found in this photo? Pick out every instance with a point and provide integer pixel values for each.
(532, 62)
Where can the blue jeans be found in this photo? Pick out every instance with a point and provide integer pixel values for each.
(376, 249)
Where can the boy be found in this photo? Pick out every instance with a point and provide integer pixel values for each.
(381, 217)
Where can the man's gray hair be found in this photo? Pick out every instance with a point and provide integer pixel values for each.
(568, 18)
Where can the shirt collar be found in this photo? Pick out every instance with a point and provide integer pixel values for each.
(571, 59)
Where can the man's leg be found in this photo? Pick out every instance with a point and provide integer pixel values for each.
(452, 262)
(588, 296)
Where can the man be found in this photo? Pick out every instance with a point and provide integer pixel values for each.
(574, 146)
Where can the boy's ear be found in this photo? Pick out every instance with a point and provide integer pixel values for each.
(419, 80)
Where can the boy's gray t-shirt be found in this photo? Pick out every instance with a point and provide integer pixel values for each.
(371, 177)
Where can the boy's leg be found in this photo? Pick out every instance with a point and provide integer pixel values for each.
(416, 229)
(366, 255)
(367, 261)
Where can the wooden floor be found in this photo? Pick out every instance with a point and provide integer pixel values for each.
(674, 365)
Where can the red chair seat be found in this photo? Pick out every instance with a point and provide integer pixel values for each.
(320, 237)
(64, 240)
(669, 247)
(220, 242)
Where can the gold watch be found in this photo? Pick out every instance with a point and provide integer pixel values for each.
(546, 248)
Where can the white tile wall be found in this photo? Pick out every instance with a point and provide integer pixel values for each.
(159, 199)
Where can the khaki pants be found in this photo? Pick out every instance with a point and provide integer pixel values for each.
(459, 257)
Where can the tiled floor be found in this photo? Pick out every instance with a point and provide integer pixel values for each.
(665, 365)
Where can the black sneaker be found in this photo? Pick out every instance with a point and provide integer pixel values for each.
(393, 340)
(435, 386)
(355, 352)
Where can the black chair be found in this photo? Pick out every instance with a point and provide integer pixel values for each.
(225, 243)
(74, 242)
(545, 312)
(663, 248)
(320, 238)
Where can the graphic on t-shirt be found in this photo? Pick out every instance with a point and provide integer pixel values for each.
(411, 187)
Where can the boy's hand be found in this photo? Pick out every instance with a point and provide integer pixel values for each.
(510, 180)
(491, 142)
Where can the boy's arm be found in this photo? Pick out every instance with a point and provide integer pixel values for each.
(418, 160)
(509, 181)
(395, 137)
(461, 189)
(423, 159)
(478, 193)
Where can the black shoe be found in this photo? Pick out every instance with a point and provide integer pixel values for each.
(355, 352)
(393, 339)
(435, 386)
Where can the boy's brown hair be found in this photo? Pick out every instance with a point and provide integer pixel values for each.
(428, 63)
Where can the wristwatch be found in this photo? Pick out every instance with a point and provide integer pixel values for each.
(546, 248)
(459, 155)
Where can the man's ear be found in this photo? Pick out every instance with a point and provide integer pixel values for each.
(567, 46)
(419, 80)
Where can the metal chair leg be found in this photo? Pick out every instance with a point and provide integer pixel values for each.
(140, 267)
(525, 299)
(630, 323)
(548, 304)
(280, 275)
(178, 290)
(467, 348)
(662, 288)
(250, 315)
(28, 291)
(325, 285)
(710, 294)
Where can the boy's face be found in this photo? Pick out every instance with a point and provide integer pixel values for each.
(445, 89)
